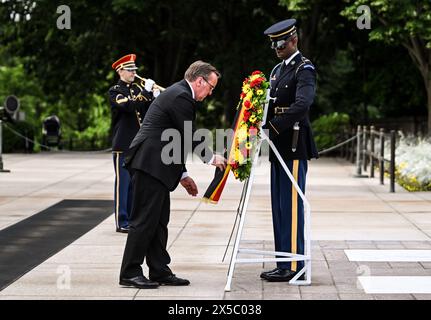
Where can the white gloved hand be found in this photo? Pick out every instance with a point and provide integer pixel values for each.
(149, 83)
(219, 161)
(156, 93)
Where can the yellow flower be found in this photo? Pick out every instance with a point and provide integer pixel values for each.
(242, 133)
(235, 174)
(246, 88)
(252, 118)
(259, 92)
(254, 77)
(402, 165)
(248, 145)
(238, 157)
(259, 111)
(249, 95)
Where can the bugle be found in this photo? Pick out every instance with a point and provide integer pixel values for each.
(155, 86)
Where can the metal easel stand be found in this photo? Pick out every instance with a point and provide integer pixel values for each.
(306, 257)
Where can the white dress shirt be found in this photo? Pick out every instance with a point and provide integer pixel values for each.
(185, 174)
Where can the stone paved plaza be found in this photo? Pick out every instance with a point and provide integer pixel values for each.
(349, 215)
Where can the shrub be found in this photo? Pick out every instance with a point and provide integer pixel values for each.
(15, 143)
(330, 129)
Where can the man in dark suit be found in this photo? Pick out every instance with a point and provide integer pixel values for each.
(293, 85)
(155, 175)
(129, 103)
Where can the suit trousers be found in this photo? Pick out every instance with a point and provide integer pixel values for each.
(148, 234)
(288, 210)
(123, 192)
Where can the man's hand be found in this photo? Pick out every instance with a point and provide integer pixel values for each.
(149, 83)
(190, 186)
(219, 161)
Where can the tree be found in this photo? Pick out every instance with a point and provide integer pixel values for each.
(73, 65)
(66, 64)
(406, 23)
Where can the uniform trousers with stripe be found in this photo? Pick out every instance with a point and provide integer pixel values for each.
(123, 191)
(288, 210)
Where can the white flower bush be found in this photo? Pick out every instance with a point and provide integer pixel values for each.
(413, 163)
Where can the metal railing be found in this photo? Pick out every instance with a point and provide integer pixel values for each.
(365, 152)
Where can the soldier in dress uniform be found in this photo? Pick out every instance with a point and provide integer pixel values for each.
(293, 85)
(129, 103)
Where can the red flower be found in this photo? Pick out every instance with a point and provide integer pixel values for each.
(253, 132)
(256, 72)
(234, 165)
(247, 104)
(242, 95)
(256, 82)
(246, 116)
(244, 152)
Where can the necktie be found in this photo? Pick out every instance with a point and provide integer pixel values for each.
(283, 67)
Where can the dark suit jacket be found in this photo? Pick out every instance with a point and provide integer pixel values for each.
(174, 109)
(293, 88)
(126, 113)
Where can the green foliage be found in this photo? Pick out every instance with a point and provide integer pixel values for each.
(403, 23)
(95, 136)
(71, 67)
(330, 129)
(15, 81)
(14, 143)
(411, 184)
(67, 72)
(394, 21)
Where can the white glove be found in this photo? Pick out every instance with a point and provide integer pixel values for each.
(156, 93)
(149, 83)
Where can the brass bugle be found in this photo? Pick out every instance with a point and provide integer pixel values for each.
(155, 86)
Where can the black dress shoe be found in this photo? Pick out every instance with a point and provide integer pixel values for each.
(282, 275)
(264, 274)
(139, 282)
(172, 280)
(123, 229)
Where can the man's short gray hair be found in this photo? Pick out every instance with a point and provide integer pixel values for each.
(200, 69)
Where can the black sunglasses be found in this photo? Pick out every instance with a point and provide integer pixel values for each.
(280, 44)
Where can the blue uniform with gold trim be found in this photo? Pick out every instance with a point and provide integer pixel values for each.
(293, 88)
(129, 103)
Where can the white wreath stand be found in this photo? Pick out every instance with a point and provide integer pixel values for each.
(306, 257)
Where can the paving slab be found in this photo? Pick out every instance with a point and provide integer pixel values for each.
(347, 214)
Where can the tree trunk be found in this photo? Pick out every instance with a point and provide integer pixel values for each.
(421, 57)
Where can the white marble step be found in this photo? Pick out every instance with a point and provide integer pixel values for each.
(389, 255)
(395, 285)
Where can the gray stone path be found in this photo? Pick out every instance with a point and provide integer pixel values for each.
(347, 213)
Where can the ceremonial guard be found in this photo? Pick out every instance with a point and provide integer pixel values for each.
(293, 85)
(129, 103)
